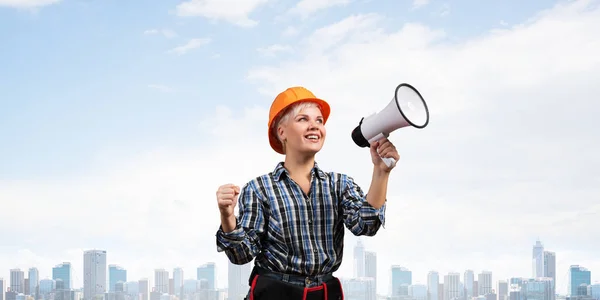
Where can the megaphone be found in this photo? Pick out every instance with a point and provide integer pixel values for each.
(407, 107)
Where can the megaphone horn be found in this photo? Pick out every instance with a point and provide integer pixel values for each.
(407, 107)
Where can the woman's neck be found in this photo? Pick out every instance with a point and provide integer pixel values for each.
(299, 166)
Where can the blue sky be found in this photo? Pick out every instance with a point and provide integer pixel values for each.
(75, 74)
(109, 133)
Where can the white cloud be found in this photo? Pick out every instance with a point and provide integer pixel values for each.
(165, 32)
(28, 4)
(306, 8)
(190, 45)
(442, 11)
(234, 11)
(338, 32)
(509, 155)
(290, 31)
(420, 3)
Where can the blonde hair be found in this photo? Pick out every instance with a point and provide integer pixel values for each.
(291, 112)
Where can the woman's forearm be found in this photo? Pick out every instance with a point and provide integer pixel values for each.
(228, 223)
(378, 190)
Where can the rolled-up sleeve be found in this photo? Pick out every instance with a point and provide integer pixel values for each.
(243, 243)
(360, 217)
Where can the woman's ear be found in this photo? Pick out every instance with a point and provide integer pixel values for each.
(281, 132)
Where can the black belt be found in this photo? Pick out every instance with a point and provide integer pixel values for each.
(292, 278)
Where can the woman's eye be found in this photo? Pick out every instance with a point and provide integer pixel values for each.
(306, 119)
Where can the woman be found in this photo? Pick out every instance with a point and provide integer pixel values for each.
(292, 219)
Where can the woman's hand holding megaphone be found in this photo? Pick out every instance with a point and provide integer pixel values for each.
(383, 150)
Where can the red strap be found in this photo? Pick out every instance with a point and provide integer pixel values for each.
(314, 288)
(341, 288)
(252, 287)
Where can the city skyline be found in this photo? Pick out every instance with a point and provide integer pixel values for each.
(119, 120)
(190, 272)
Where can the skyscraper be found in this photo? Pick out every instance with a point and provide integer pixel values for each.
(469, 278)
(116, 274)
(417, 292)
(161, 281)
(143, 288)
(359, 259)
(452, 286)
(578, 275)
(94, 274)
(17, 281)
(502, 290)
(46, 286)
(207, 272)
(2, 289)
(550, 270)
(371, 267)
(238, 277)
(63, 272)
(537, 260)
(177, 280)
(484, 283)
(401, 278)
(433, 281)
(34, 281)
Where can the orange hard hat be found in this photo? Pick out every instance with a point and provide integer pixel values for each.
(286, 98)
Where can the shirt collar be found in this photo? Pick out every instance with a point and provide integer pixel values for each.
(280, 170)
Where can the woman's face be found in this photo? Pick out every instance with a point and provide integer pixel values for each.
(304, 132)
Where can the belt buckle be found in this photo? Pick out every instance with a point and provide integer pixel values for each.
(307, 281)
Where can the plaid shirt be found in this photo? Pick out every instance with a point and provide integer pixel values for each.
(291, 232)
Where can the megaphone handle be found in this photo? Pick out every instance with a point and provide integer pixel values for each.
(389, 161)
